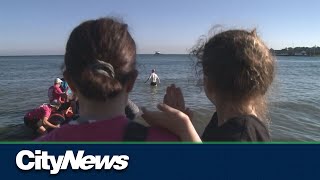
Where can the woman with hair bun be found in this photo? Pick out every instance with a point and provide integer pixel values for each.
(100, 68)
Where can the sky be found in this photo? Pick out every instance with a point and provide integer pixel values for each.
(42, 27)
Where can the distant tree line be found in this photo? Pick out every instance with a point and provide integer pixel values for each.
(297, 51)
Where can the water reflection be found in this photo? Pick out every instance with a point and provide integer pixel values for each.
(154, 95)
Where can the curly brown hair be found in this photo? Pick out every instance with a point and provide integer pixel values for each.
(103, 42)
(238, 65)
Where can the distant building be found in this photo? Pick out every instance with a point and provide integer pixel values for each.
(302, 53)
(297, 51)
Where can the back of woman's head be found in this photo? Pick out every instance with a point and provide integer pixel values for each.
(237, 64)
(100, 58)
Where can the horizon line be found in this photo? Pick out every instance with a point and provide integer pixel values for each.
(63, 54)
(143, 53)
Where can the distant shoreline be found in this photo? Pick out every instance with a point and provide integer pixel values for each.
(144, 54)
(63, 55)
(299, 55)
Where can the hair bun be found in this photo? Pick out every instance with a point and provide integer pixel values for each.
(103, 68)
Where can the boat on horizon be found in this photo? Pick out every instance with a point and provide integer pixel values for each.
(157, 53)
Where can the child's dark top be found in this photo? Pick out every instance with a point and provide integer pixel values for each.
(243, 128)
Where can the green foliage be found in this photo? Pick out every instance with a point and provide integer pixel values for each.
(298, 51)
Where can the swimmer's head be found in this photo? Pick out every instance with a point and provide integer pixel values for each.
(153, 70)
(100, 59)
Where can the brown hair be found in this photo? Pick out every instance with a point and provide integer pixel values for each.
(100, 57)
(238, 65)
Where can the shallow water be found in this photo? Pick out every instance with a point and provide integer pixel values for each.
(294, 98)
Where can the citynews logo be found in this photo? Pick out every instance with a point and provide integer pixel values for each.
(40, 160)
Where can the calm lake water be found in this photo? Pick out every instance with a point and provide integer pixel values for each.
(294, 98)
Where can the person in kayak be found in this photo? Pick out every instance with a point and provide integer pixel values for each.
(37, 119)
(55, 92)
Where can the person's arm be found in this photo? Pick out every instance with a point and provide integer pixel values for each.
(58, 91)
(47, 123)
(173, 115)
(62, 95)
(46, 114)
(148, 79)
(174, 120)
(66, 90)
(158, 79)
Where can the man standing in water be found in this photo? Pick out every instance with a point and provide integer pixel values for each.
(154, 77)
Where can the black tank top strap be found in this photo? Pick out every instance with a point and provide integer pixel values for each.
(135, 132)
